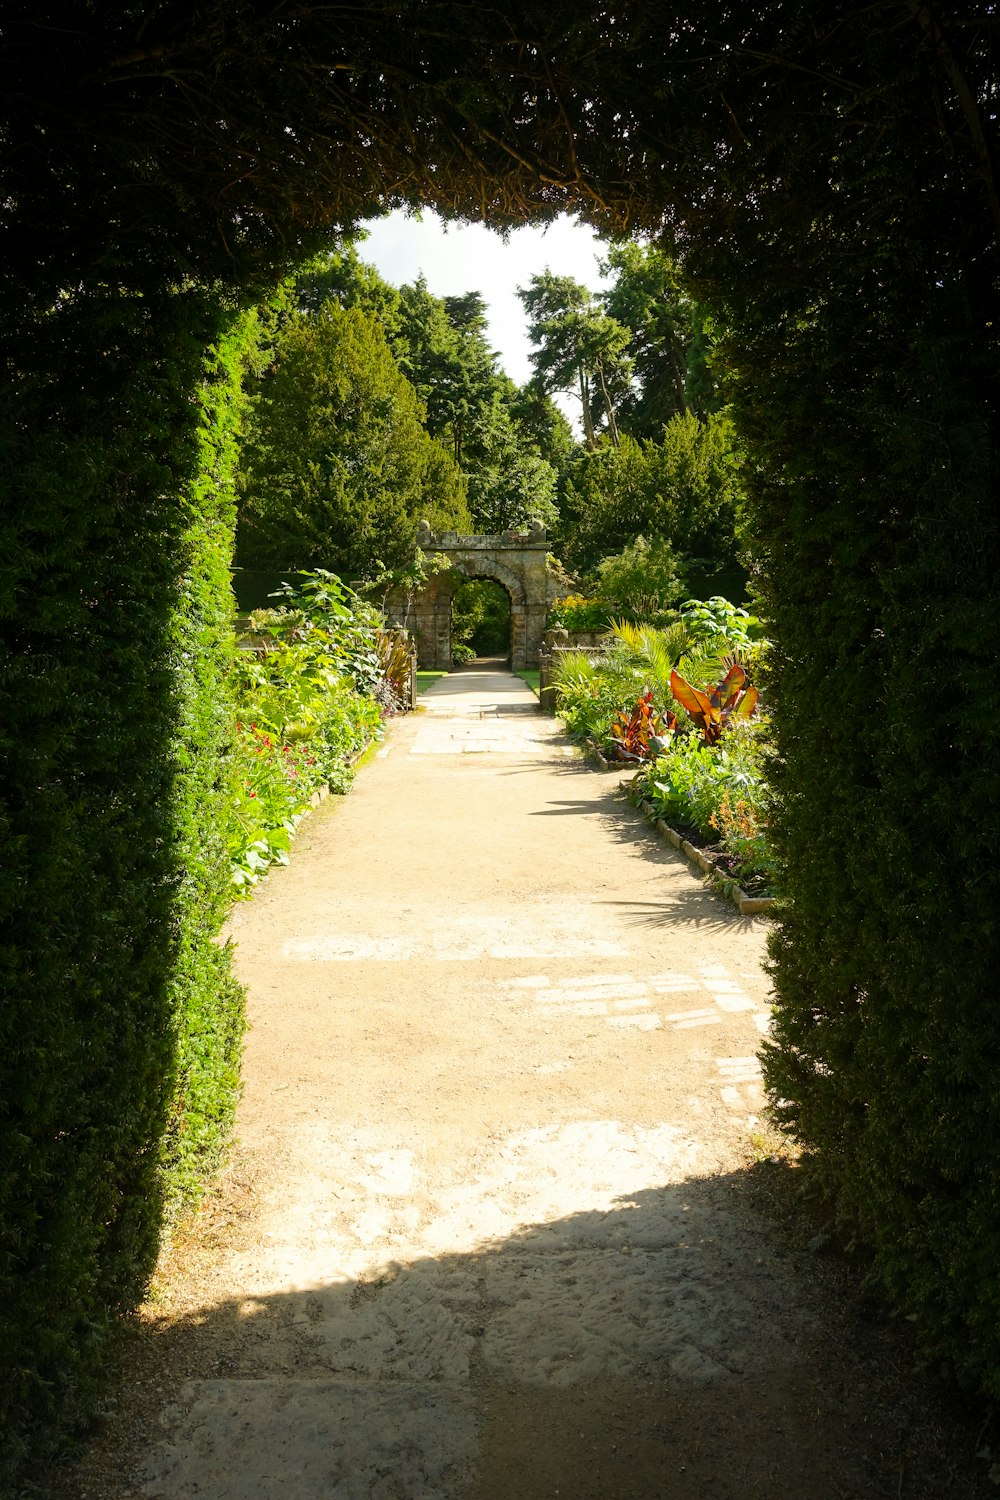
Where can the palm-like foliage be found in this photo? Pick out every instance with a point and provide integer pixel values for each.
(651, 652)
(712, 710)
(573, 669)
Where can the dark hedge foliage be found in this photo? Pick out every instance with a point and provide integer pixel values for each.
(886, 1045)
(120, 1024)
(863, 286)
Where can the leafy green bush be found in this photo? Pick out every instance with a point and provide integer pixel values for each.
(719, 624)
(643, 582)
(720, 792)
(586, 699)
(337, 627)
(685, 784)
(310, 698)
(592, 690)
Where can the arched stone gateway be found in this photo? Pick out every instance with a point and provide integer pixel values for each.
(518, 561)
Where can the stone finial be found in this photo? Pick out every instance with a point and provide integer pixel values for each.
(536, 531)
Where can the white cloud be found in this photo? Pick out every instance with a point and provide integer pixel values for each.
(457, 258)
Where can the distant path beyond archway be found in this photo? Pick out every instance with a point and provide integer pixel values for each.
(518, 561)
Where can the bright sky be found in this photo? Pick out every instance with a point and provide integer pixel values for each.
(457, 258)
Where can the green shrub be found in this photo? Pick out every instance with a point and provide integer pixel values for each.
(620, 698)
(720, 792)
(591, 689)
(309, 699)
(643, 582)
(719, 624)
(589, 693)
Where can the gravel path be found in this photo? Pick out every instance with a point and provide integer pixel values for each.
(488, 1230)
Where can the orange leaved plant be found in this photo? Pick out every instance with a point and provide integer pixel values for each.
(640, 734)
(730, 699)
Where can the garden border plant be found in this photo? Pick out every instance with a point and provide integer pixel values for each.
(748, 905)
(629, 704)
(312, 690)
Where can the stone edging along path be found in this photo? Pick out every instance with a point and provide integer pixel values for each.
(748, 906)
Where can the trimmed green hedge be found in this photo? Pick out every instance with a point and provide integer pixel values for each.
(874, 498)
(885, 1059)
(120, 1025)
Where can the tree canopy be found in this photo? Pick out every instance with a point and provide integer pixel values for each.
(337, 467)
(669, 338)
(578, 348)
(685, 489)
(473, 408)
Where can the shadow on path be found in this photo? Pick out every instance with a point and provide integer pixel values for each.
(642, 1350)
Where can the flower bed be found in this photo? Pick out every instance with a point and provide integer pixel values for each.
(698, 752)
(713, 862)
(313, 690)
(716, 797)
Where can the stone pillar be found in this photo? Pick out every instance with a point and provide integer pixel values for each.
(546, 692)
(413, 674)
(442, 630)
(534, 630)
(519, 654)
(429, 623)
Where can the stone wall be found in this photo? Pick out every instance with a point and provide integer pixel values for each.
(556, 642)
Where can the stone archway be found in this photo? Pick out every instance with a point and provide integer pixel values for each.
(518, 561)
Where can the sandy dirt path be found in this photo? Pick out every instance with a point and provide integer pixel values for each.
(485, 1233)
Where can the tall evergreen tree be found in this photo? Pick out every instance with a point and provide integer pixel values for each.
(340, 275)
(470, 405)
(578, 348)
(669, 339)
(337, 466)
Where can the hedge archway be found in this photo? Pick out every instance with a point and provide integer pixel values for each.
(829, 179)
